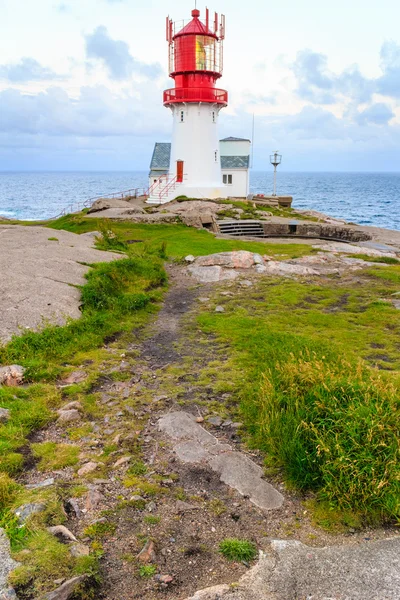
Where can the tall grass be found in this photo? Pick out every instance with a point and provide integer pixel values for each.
(333, 427)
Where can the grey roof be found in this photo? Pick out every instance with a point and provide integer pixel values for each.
(161, 156)
(162, 153)
(234, 139)
(235, 162)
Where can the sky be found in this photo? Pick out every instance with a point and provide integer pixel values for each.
(81, 82)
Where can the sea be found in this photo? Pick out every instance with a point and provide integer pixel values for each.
(363, 198)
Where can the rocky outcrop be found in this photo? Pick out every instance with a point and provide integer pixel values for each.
(198, 446)
(291, 570)
(7, 565)
(228, 265)
(339, 247)
(40, 277)
(106, 203)
(211, 274)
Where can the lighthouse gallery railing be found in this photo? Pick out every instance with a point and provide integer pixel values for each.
(176, 95)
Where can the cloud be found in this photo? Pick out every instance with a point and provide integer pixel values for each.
(97, 112)
(389, 83)
(116, 57)
(379, 114)
(315, 82)
(28, 69)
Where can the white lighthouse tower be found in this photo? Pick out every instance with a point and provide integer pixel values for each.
(195, 64)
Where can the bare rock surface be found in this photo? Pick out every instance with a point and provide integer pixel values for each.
(39, 276)
(196, 445)
(290, 570)
(240, 259)
(228, 265)
(106, 203)
(7, 564)
(353, 249)
(211, 274)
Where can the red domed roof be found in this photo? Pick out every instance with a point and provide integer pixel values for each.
(195, 27)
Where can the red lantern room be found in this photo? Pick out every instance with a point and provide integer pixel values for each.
(196, 60)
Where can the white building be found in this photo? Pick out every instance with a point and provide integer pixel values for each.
(235, 166)
(233, 169)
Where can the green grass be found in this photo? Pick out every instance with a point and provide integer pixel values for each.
(112, 299)
(117, 297)
(147, 571)
(179, 239)
(151, 520)
(238, 550)
(54, 456)
(99, 531)
(326, 420)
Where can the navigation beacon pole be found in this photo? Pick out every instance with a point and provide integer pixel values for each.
(275, 159)
(196, 64)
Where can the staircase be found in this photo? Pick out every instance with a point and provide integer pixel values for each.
(163, 190)
(239, 228)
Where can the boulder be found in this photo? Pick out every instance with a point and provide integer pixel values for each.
(93, 499)
(68, 416)
(7, 565)
(87, 469)
(73, 378)
(26, 511)
(12, 375)
(67, 590)
(211, 274)
(106, 203)
(148, 553)
(240, 259)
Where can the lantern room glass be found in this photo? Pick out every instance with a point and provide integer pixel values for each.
(197, 53)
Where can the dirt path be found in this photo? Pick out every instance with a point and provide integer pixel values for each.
(142, 495)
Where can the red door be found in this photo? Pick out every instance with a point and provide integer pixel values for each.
(179, 171)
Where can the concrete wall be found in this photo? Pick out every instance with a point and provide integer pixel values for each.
(235, 148)
(239, 188)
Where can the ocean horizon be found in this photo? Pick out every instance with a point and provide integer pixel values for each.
(366, 198)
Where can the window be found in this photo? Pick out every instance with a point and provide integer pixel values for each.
(227, 179)
(182, 116)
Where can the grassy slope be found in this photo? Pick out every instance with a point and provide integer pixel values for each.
(327, 420)
(269, 332)
(180, 240)
(117, 297)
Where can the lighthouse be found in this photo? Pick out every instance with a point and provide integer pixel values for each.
(195, 102)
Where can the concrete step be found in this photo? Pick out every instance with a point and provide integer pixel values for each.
(238, 228)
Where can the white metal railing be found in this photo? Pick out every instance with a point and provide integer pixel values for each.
(78, 206)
